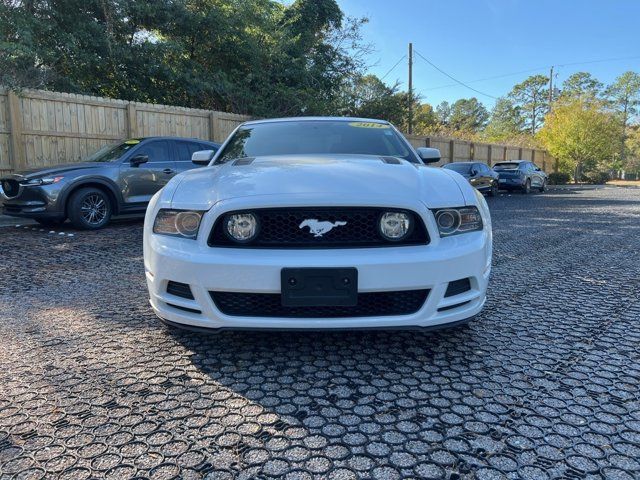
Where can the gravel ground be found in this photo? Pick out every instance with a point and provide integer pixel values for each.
(543, 384)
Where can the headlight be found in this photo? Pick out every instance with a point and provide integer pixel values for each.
(241, 227)
(41, 181)
(452, 221)
(395, 226)
(178, 223)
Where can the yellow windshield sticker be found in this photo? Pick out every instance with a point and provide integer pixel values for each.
(368, 125)
(132, 142)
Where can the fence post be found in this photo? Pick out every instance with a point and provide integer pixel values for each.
(427, 142)
(520, 154)
(132, 124)
(504, 153)
(472, 150)
(16, 159)
(489, 154)
(212, 126)
(452, 144)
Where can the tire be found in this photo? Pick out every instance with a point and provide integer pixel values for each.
(49, 222)
(527, 187)
(89, 208)
(494, 190)
(543, 187)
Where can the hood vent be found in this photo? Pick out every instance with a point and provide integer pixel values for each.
(243, 161)
(391, 160)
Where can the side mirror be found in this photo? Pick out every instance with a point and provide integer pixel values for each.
(429, 155)
(202, 157)
(138, 160)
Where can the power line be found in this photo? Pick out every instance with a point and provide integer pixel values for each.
(391, 69)
(534, 70)
(489, 78)
(597, 61)
(453, 78)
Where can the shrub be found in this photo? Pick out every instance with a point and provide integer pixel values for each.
(559, 178)
(597, 177)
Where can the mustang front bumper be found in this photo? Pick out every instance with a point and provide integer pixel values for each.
(244, 270)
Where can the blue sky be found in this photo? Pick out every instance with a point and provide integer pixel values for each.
(476, 39)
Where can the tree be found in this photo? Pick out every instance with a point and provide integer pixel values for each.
(582, 85)
(425, 119)
(468, 114)
(251, 56)
(506, 121)
(531, 97)
(443, 113)
(624, 95)
(367, 96)
(631, 161)
(579, 135)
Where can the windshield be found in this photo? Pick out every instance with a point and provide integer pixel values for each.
(506, 166)
(112, 152)
(459, 167)
(316, 137)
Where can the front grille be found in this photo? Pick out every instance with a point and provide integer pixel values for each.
(179, 290)
(10, 187)
(457, 287)
(280, 228)
(372, 304)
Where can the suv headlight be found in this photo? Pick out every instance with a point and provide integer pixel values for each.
(178, 223)
(41, 181)
(453, 221)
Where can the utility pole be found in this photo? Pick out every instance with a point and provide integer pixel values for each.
(410, 121)
(550, 88)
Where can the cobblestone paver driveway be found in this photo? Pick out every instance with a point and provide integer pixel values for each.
(544, 384)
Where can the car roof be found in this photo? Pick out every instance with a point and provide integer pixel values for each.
(142, 139)
(316, 119)
(513, 161)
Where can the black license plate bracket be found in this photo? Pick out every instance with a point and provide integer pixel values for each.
(319, 287)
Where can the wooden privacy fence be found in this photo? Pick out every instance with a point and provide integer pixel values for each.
(40, 128)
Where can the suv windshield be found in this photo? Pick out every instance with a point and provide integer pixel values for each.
(506, 166)
(316, 137)
(459, 167)
(112, 152)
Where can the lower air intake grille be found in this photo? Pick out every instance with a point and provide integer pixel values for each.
(179, 290)
(457, 287)
(369, 305)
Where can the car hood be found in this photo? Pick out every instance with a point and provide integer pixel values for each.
(318, 178)
(59, 169)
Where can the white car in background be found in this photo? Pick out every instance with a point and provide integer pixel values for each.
(314, 223)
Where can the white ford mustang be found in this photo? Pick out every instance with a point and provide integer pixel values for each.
(313, 223)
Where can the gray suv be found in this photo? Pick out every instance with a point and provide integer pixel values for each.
(116, 179)
(520, 175)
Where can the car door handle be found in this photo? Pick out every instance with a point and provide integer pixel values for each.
(168, 171)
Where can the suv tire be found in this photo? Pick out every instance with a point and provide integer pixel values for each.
(89, 208)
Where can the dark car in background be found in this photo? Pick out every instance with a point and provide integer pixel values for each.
(520, 175)
(119, 178)
(479, 174)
